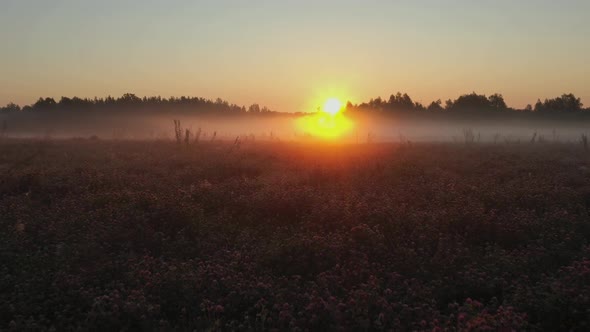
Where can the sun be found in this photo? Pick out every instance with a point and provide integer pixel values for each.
(332, 106)
(329, 123)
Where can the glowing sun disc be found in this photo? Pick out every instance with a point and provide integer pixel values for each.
(332, 106)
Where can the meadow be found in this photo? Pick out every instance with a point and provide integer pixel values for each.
(154, 235)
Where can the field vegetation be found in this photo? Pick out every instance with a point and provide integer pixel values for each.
(109, 235)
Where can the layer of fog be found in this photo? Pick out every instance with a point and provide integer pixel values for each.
(276, 127)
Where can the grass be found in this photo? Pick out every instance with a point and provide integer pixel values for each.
(106, 235)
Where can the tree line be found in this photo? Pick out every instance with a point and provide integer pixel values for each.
(130, 102)
(473, 102)
(566, 103)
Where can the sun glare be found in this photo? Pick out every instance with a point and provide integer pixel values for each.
(332, 106)
(329, 123)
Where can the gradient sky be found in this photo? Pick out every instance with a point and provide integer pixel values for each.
(289, 54)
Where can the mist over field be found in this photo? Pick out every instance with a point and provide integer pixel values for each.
(383, 128)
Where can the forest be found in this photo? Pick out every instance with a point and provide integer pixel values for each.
(478, 104)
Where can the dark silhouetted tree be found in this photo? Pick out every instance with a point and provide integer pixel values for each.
(566, 103)
(376, 103)
(435, 106)
(254, 108)
(9, 108)
(400, 102)
(46, 104)
(475, 102)
(496, 102)
(539, 106)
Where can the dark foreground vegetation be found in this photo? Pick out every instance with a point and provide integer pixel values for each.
(155, 236)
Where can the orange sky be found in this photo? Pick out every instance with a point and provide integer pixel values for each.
(290, 56)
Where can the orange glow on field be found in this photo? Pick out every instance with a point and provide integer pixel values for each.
(330, 122)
